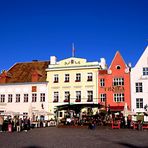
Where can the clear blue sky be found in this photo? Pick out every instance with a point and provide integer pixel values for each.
(37, 29)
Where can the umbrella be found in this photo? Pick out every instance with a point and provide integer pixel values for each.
(30, 111)
(43, 112)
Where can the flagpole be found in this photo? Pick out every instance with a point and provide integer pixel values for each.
(73, 50)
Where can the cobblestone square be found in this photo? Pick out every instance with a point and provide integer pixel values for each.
(53, 137)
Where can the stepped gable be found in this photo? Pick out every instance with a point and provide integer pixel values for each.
(23, 72)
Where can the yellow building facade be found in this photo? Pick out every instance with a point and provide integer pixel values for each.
(73, 81)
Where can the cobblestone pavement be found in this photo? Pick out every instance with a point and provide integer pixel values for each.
(52, 137)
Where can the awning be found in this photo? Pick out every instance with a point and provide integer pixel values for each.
(116, 108)
(77, 107)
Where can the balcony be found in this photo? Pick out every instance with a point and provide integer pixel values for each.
(66, 81)
(78, 100)
(55, 81)
(77, 80)
(90, 79)
(67, 100)
(89, 100)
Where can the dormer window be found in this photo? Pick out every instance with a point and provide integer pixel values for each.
(118, 67)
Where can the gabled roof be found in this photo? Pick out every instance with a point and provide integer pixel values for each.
(144, 58)
(117, 60)
(22, 72)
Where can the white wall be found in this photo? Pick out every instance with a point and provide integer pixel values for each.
(24, 88)
(137, 76)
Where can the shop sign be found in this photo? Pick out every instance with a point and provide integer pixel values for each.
(115, 88)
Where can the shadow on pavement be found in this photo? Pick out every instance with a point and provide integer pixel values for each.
(32, 146)
(131, 145)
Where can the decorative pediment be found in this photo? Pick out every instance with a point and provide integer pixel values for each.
(72, 61)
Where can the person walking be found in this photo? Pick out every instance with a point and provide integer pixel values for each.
(1, 122)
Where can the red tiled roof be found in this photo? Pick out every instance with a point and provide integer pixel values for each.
(102, 72)
(22, 72)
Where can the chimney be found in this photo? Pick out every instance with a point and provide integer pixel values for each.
(52, 60)
(103, 63)
(3, 77)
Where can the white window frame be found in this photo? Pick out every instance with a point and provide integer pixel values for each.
(78, 95)
(42, 97)
(139, 103)
(2, 98)
(67, 95)
(103, 97)
(139, 87)
(102, 82)
(67, 77)
(10, 97)
(145, 71)
(56, 78)
(118, 97)
(34, 97)
(90, 76)
(56, 96)
(18, 97)
(78, 77)
(118, 81)
(26, 97)
(90, 96)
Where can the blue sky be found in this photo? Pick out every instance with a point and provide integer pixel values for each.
(37, 29)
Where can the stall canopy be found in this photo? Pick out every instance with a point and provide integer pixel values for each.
(77, 107)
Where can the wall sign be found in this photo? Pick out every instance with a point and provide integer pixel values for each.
(114, 88)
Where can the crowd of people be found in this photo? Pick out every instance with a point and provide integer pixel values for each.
(14, 124)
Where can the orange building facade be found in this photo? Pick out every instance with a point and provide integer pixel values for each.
(114, 85)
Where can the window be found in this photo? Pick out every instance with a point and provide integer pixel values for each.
(145, 71)
(139, 103)
(139, 87)
(103, 97)
(89, 76)
(34, 97)
(89, 96)
(25, 97)
(78, 77)
(17, 97)
(119, 97)
(25, 115)
(9, 98)
(118, 67)
(2, 98)
(118, 81)
(56, 78)
(56, 97)
(66, 77)
(42, 97)
(61, 114)
(78, 96)
(102, 82)
(67, 96)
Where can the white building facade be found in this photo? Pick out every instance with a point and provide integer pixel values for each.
(23, 90)
(23, 99)
(139, 84)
